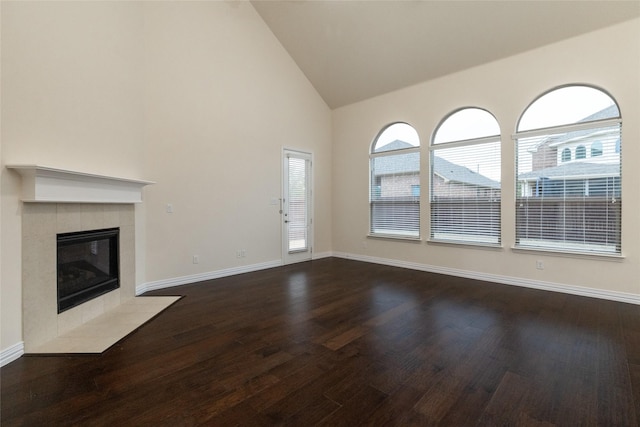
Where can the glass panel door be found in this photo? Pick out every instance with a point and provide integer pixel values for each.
(296, 213)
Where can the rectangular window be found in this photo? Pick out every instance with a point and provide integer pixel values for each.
(465, 193)
(395, 194)
(573, 206)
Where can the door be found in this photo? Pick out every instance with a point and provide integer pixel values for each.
(296, 207)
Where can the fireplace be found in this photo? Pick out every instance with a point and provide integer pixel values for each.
(87, 266)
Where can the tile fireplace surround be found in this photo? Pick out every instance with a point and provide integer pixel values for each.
(96, 324)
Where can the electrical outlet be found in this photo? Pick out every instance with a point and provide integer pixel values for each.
(239, 253)
(243, 253)
(169, 208)
(539, 265)
(196, 259)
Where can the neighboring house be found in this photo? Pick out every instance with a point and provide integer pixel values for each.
(576, 163)
(452, 180)
(398, 176)
(572, 195)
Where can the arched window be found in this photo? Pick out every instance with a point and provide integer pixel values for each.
(394, 191)
(465, 178)
(596, 148)
(569, 206)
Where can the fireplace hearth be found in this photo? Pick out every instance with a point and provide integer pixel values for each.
(87, 266)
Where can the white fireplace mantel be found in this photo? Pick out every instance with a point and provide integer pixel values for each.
(46, 184)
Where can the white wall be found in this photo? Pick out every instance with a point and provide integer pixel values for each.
(197, 96)
(607, 58)
(72, 97)
(224, 98)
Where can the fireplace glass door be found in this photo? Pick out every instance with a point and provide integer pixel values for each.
(88, 266)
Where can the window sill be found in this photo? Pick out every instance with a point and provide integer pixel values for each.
(474, 245)
(392, 237)
(569, 254)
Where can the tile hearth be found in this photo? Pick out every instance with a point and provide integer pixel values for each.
(100, 333)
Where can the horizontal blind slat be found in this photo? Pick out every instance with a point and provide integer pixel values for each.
(569, 190)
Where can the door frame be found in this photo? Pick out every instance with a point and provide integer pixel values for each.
(298, 256)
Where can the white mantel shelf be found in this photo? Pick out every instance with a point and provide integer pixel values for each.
(46, 184)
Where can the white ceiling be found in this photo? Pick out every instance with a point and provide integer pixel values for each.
(354, 50)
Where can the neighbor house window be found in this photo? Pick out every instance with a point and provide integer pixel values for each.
(569, 206)
(465, 178)
(394, 194)
(566, 155)
(596, 148)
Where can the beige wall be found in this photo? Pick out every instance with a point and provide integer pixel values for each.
(607, 58)
(72, 97)
(224, 99)
(197, 96)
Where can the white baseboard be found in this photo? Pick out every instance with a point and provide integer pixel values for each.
(321, 255)
(14, 352)
(505, 280)
(185, 280)
(11, 353)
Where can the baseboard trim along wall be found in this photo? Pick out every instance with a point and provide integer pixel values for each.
(505, 280)
(194, 278)
(11, 353)
(15, 351)
(187, 280)
(321, 255)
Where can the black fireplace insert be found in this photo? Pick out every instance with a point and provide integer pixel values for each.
(88, 266)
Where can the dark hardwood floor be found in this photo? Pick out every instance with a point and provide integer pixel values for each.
(336, 342)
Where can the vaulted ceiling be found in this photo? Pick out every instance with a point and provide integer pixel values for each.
(354, 50)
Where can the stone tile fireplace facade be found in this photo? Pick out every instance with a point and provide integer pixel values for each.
(41, 222)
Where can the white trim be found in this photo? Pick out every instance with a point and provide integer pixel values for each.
(45, 184)
(321, 255)
(306, 254)
(553, 130)
(465, 142)
(414, 149)
(505, 280)
(11, 353)
(186, 280)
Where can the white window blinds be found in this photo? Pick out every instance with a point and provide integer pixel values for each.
(394, 191)
(568, 176)
(297, 202)
(465, 179)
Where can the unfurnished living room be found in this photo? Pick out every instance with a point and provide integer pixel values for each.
(320, 213)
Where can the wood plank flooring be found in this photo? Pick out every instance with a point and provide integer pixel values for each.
(336, 342)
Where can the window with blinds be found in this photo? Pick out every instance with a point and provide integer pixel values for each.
(465, 179)
(394, 189)
(568, 173)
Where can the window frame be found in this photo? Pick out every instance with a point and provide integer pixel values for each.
(377, 180)
(566, 247)
(468, 237)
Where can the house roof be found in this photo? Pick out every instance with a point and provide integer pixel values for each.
(574, 170)
(408, 163)
(606, 113)
(452, 172)
(394, 145)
